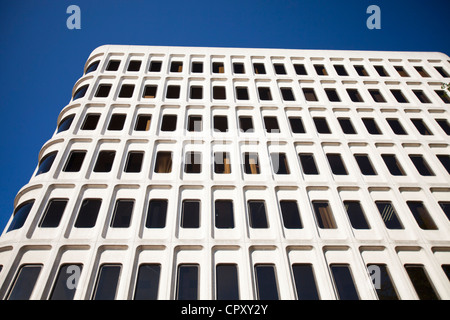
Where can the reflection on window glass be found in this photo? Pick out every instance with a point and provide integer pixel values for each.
(305, 283)
(147, 282)
(107, 282)
(61, 289)
(266, 282)
(421, 282)
(187, 282)
(24, 283)
(343, 280)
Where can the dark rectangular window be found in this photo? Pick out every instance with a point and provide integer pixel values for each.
(61, 291)
(147, 283)
(227, 285)
(173, 92)
(156, 214)
(445, 160)
(332, 95)
(383, 282)
(356, 215)
(196, 92)
(324, 215)
(81, 92)
(187, 282)
(197, 67)
(279, 163)
(336, 164)
(218, 67)
(290, 214)
(251, 163)
(305, 283)
(296, 125)
(257, 214)
(264, 93)
(300, 69)
(340, 70)
(143, 122)
(443, 95)
(266, 282)
(176, 66)
(238, 68)
(46, 163)
(104, 161)
(193, 162)
(422, 71)
(117, 121)
(219, 93)
(421, 282)
(393, 165)
(107, 282)
(134, 65)
(445, 206)
(163, 163)
(381, 71)
(310, 95)
(421, 96)
(365, 165)
(242, 93)
(20, 215)
(246, 124)
(371, 125)
(53, 213)
(321, 125)
(150, 91)
(442, 71)
(24, 282)
(377, 96)
(113, 65)
(354, 95)
(103, 90)
(361, 71)
(220, 123)
(279, 68)
(155, 66)
(222, 163)
(287, 94)
(389, 215)
(90, 122)
(65, 123)
(308, 163)
(421, 165)
(259, 68)
(134, 161)
(446, 269)
(343, 281)
(401, 71)
(320, 69)
(88, 212)
(271, 124)
(126, 91)
(190, 214)
(443, 123)
(396, 126)
(347, 126)
(223, 213)
(421, 127)
(195, 123)
(398, 95)
(123, 211)
(421, 214)
(75, 161)
(169, 122)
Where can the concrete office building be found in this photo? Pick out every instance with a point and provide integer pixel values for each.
(231, 173)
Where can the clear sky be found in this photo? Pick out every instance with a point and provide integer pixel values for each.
(41, 59)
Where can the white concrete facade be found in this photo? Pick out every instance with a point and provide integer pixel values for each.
(422, 181)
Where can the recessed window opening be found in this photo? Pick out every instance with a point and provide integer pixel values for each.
(421, 127)
(227, 285)
(74, 161)
(300, 69)
(81, 92)
(290, 214)
(421, 96)
(347, 126)
(343, 281)
(324, 215)
(220, 123)
(381, 71)
(143, 122)
(117, 122)
(155, 66)
(88, 212)
(377, 96)
(371, 125)
(195, 123)
(149, 91)
(65, 123)
(356, 215)
(46, 163)
(196, 92)
(90, 122)
(190, 214)
(259, 68)
(287, 94)
(147, 283)
(193, 162)
(421, 282)
(266, 282)
(421, 165)
(187, 282)
(218, 67)
(257, 214)
(113, 65)
(20, 215)
(103, 91)
(401, 71)
(176, 66)
(134, 65)
(385, 289)
(92, 67)
(393, 165)
(320, 69)
(310, 95)
(156, 214)
(279, 163)
(443, 123)
(442, 71)
(445, 160)
(332, 95)
(104, 161)
(238, 68)
(422, 71)
(308, 163)
(169, 122)
(398, 95)
(53, 213)
(296, 125)
(271, 124)
(388, 215)
(322, 125)
(163, 163)
(173, 92)
(422, 216)
(242, 93)
(24, 282)
(123, 211)
(219, 93)
(264, 93)
(197, 67)
(107, 282)
(336, 164)
(246, 124)
(222, 163)
(279, 68)
(223, 214)
(354, 95)
(340, 70)
(251, 163)
(305, 283)
(362, 72)
(60, 289)
(396, 126)
(365, 165)
(134, 161)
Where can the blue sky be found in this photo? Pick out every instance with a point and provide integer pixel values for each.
(40, 59)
